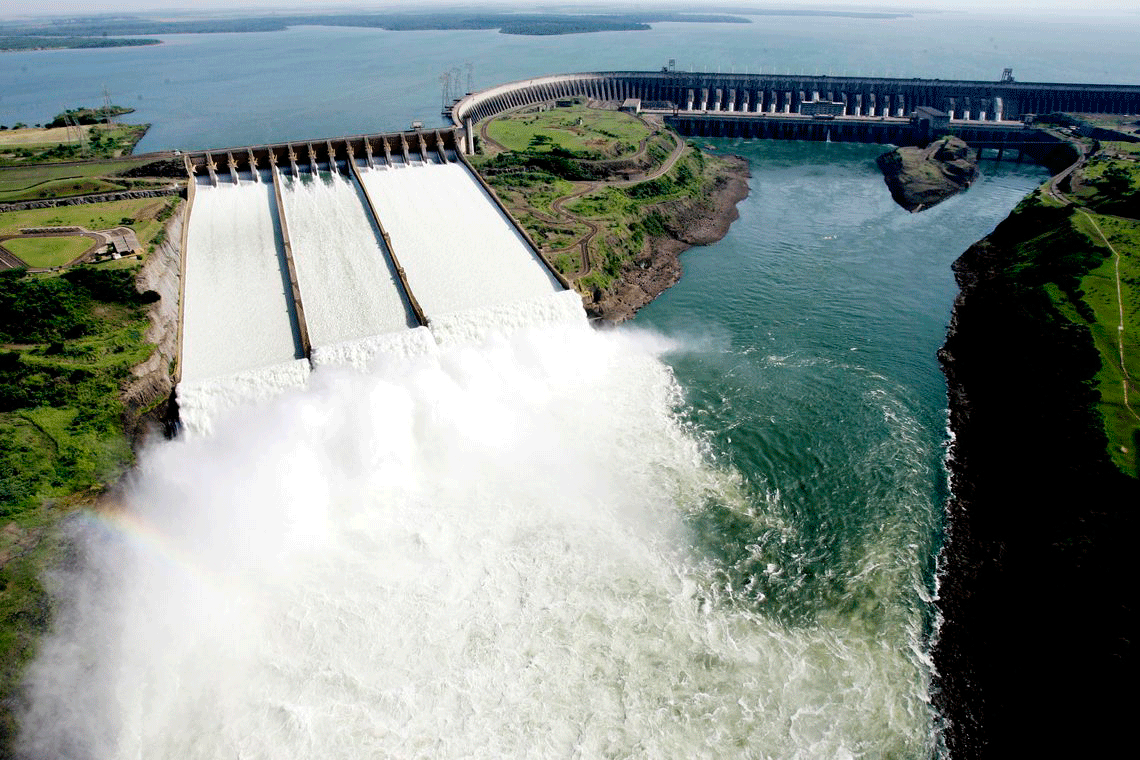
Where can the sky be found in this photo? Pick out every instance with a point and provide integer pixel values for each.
(13, 8)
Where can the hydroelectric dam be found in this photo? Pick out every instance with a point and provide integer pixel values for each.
(334, 251)
(302, 254)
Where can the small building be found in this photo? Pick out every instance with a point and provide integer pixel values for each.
(630, 105)
(564, 102)
(929, 121)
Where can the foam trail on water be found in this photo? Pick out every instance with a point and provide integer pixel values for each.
(478, 552)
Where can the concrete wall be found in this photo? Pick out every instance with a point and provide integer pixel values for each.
(756, 93)
(221, 163)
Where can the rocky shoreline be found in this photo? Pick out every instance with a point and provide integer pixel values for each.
(689, 223)
(1035, 577)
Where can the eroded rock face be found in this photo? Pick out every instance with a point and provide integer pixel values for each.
(689, 222)
(921, 177)
(151, 382)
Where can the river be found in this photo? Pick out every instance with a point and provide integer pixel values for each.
(800, 461)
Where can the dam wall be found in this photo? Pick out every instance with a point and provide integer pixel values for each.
(334, 251)
(962, 100)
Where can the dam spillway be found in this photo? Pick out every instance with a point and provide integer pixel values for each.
(321, 254)
(347, 280)
(477, 259)
(238, 311)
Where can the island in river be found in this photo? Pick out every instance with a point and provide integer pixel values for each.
(921, 177)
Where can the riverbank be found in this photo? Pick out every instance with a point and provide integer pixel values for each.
(1036, 570)
(687, 223)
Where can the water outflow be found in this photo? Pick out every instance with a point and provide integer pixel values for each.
(459, 250)
(238, 310)
(486, 551)
(347, 282)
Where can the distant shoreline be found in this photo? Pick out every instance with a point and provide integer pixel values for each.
(112, 31)
(22, 44)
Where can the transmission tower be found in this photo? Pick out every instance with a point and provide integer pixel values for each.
(445, 90)
(80, 133)
(107, 105)
(470, 72)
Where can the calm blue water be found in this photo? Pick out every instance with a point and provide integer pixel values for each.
(806, 338)
(213, 91)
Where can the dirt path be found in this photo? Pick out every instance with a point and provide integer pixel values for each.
(558, 204)
(1120, 309)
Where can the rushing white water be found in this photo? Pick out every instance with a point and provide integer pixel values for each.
(479, 552)
(237, 309)
(347, 286)
(459, 251)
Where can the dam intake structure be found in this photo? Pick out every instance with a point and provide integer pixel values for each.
(988, 115)
(334, 252)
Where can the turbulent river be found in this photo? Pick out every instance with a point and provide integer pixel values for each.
(710, 532)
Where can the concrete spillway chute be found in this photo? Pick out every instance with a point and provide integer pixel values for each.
(232, 165)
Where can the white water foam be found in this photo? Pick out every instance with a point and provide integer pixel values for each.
(474, 325)
(364, 353)
(459, 251)
(201, 403)
(348, 288)
(237, 297)
(479, 552)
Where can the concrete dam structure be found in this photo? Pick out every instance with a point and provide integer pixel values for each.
(334, 252)
(841, 109)
(775, 94)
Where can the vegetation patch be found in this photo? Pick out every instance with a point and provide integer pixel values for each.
(67, 344)
(76, 135)
(18, 183)
(1065, 275)
(145, 216)
(44, 252)
(576, 132)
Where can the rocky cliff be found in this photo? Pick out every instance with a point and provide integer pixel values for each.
(921, 177)
(1036, 572)
(151, 383)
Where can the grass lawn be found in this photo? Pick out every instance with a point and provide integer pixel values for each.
(585, 132)
(1099, 287)
(48, 251)
(23, 182)
(37, 136)
(139, 213)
